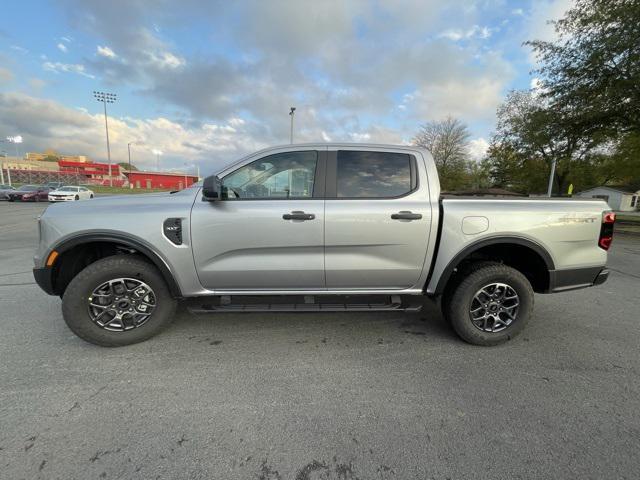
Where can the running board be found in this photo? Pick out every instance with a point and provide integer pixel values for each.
(305, 304)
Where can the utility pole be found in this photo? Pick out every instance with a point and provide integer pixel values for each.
(292, 113)
(129, 151)
(157, 153)
(185, 175)
(105, 98)
(553, 172)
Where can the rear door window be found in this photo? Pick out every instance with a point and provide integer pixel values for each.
(362, 174)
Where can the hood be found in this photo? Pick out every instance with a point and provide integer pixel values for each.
(124, 203)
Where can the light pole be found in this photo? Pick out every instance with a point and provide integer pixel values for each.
(553, 172)
(185, 175)
(129, 151)
(105, 98)
(157, 153)
(292, 113)
(16, 139)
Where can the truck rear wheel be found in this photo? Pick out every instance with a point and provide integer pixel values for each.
(491, 305)
(117, 301)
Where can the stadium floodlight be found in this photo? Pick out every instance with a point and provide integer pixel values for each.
(105, 98)
(292, 113)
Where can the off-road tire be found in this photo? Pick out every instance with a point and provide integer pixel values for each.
(457, 304)
(75, 301)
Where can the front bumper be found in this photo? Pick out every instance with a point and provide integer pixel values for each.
(44, 279)
(61, 199)
(576, 278)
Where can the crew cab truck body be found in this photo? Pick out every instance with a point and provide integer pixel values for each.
(316, 227)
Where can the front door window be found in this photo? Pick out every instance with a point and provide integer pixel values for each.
(281, 176)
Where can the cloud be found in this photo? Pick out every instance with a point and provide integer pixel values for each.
(355, 70)
(58, 67)
(37, 83)
(542, 12)
(475, 31)
(478, 148)
(62, 47)
(48, 124)
(19, 49)
(105, 52)
(6, 76)
(539, 26)
(166, 60)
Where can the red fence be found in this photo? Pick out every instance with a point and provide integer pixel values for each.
(39, 177)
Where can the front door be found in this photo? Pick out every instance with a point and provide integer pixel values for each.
(377, 224)
(267, 231)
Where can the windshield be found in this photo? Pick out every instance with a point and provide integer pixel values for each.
(68, 189)
(28, 188)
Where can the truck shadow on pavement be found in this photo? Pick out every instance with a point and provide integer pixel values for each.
(349, 329)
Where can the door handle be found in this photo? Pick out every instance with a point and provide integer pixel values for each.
(298, 215)
(405, 215)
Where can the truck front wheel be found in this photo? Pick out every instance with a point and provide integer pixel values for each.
(117, 301)
(491, 305)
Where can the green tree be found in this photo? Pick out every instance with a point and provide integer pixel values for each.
(125, 166)
(593, 68)
(530, 135)
(509, 170)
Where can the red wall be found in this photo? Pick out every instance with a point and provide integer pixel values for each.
(88, 168)
(158, 180)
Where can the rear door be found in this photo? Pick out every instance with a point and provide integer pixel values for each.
(377, 218)
(267, 231)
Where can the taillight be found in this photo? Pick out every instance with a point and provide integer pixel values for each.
(606, 230)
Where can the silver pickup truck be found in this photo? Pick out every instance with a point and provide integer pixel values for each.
(316, 227)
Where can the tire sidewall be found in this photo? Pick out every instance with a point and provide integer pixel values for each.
(75, 307)
(461, 299)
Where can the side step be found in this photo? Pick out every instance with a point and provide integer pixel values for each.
(306, 303)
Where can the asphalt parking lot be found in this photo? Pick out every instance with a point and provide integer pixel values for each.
(320, 396)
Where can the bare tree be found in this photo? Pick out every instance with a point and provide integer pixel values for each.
(448, 142)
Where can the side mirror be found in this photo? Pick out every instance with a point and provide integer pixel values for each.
(211, 189)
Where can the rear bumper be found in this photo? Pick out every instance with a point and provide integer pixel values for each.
(44, 279)
(573, 279)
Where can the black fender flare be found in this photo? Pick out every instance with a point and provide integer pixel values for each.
(469, 249)
(126, 241)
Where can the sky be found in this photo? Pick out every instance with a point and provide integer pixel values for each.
(206, 82)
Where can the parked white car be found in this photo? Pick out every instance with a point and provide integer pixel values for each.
(70, 194)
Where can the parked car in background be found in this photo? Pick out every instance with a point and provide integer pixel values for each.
(39, 195)
(55, 185)
(16, 195)
(4, 191)
(70, 193)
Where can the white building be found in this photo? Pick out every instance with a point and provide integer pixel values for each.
(621, 199)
